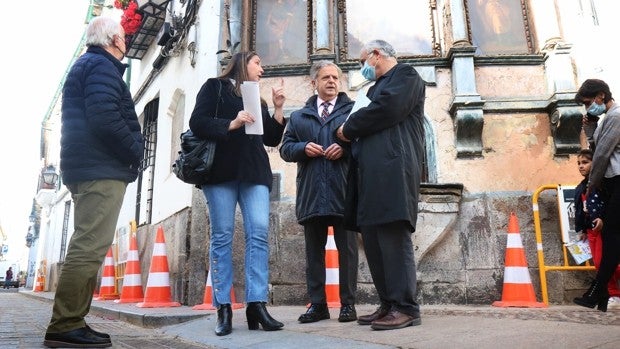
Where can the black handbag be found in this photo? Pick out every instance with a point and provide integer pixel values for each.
(195, 160)
(193, 165)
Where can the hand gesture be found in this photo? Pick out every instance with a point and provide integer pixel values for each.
(333, 152)
(340, 135)
(277, 95)
(313, 150)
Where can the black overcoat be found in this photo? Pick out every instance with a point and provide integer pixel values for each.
(388, 144)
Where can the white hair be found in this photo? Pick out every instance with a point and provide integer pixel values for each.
(101, 31)
(384, 48)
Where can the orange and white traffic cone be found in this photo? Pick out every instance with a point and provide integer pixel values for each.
(108, 279)
(40, 284)
(158, 293)
(207, 303)
(518, 289)
(332, 271)
(132, 280)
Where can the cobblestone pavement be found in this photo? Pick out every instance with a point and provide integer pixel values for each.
(25, 316)
(24, 320)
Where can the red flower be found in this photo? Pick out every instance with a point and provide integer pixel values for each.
(131, 19)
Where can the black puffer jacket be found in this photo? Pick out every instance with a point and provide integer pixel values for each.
(100, 137)
(321, 183)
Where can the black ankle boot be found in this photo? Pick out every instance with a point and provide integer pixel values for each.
(224, 320)
(596, 295)
(257, 313)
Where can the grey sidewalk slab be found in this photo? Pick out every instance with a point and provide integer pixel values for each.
(443, 326)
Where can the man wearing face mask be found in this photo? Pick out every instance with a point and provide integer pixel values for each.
(101, 147)
(595, 95)
(388, 148)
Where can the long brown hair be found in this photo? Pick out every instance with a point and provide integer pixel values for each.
(237, 69)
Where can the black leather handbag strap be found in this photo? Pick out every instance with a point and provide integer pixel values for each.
(219, 98)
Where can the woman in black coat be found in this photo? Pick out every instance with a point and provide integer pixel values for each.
(241, 174)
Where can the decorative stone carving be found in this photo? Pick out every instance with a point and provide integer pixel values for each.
(438, 209)
(566, 129)
(466, 108)
(468, 123)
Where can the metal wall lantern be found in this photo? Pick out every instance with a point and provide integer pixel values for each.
(152, 7)
(49, 176)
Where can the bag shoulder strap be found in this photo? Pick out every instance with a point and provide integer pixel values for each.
(219, 98)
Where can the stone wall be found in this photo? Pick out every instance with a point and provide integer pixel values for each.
(459, 246)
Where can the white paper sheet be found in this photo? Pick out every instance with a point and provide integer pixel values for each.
(360, 102)
(251, 103)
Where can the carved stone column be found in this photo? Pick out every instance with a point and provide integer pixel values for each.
(466, 107)
(458, 22)
(564, 114)
(322, 31)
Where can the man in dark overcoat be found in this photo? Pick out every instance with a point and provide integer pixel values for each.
(388, 146)
(322, 167)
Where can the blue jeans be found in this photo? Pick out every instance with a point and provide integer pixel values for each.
(222, 201)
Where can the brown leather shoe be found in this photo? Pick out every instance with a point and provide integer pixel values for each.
(368, 319)
(395, 320)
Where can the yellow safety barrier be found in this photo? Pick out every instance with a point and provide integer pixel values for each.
(543, 269)
(120, 267)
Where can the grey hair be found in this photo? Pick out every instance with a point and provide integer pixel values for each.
(101, 31)
(384, 48)
(318, 65)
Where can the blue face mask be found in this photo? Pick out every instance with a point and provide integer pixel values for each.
(596, 109)
(368, 72)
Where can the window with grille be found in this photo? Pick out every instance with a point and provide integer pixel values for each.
(144, 196)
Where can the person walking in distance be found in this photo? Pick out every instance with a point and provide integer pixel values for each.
(241, 175)
(388, 145)
(8, 277)
(322, 166)
(101, 147)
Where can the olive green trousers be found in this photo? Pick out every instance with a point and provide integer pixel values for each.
(97, 207)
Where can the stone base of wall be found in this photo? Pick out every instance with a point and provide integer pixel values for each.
(464, 264)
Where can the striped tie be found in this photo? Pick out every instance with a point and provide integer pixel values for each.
(325, 112)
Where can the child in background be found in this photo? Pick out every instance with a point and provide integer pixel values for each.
(589, 222)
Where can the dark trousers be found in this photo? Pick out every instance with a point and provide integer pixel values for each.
(315, 233)
(611, 230)
(389, 252)
(97, 207)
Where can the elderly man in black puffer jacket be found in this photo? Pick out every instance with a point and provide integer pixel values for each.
(101, 150)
